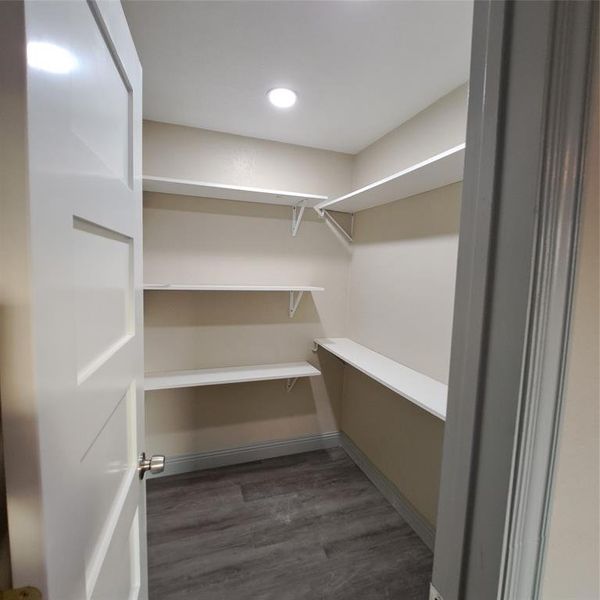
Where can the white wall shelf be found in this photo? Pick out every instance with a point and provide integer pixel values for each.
(439, 170)
(231, 288)
(425, 392)
(225, 375)
(203, 189)
(295, 291)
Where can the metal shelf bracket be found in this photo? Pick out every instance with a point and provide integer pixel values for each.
(297, 213)
(325, 214)
(290, 383)
(295, 298)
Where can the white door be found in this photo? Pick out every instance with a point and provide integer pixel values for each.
(71, 364)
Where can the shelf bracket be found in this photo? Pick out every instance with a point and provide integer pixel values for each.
(294, 302)
(325, 214)
(297, 213)
(290, 383)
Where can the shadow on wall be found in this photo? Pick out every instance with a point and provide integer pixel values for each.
(229, 404)
(210, 309)
(402, 440)
(253, 409)
(433, 214)
(233, 229)
(215, 206)
(332, 377)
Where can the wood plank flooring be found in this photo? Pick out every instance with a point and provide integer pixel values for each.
(303, 527)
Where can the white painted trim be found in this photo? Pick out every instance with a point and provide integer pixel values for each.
(390, 492)
(200, 461)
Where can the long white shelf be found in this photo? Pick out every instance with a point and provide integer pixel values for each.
(219, 376)
(439, 170)
(425, 392)
(231, 288)
(204, 189)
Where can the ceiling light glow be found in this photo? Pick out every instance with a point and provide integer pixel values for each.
(50, 57)
(282, 97)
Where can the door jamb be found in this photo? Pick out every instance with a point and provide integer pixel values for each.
(530, 76)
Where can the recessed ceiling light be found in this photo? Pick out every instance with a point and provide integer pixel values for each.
(282, 97)
(50, 57)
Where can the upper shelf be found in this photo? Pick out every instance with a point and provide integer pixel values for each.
(439, 170)
(232, 288)
(203, 189)
(425, 392)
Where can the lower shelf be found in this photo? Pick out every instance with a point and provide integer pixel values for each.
(425, 392)
(194, 378)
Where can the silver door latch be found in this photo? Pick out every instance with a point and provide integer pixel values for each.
(154, 464)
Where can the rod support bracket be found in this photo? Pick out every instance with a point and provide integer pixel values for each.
(290, 383)
(327, 216)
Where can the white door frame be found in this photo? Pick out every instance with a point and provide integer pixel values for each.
(530, 77)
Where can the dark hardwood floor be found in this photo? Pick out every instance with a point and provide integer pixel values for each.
(303, 527)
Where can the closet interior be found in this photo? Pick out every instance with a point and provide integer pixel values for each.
(299, 271)
(298, 298)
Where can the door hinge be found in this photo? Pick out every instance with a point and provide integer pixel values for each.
(24, 593)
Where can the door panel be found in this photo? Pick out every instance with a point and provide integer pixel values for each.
(83, 302)
(120, 575)
(103, 294)
(101, 121)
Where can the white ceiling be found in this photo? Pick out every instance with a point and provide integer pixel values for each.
(359, 68)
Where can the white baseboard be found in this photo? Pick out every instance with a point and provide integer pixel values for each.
(199, 461)
(390, 492)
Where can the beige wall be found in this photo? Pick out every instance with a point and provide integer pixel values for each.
(439, 127)
(392, 290)
(195, 240)
(202, 155)
(401, 440)
(571, 569)
(400, 303)
(214, 241)
(401, 291)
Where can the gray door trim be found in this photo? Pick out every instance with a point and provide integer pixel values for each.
(552, 299)
(482, 161)
(530, 73)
